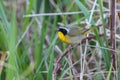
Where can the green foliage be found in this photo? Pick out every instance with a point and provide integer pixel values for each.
(3, 38)
(33, 44)
(12, 60)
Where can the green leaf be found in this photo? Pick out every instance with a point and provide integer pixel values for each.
(3, 38)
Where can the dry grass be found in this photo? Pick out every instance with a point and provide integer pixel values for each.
(28, 33)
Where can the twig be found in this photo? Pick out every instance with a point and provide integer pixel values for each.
(62, 13)
(112, 35)
(90, 37)
(57, 64)
(2, 59)
(74, 71)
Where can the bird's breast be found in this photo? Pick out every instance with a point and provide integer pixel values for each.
(64, 38)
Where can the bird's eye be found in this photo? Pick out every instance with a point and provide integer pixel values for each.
(64, 31)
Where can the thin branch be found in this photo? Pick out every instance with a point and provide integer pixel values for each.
(74, 71)
(57, 64)
(112, 29)
(2, 59)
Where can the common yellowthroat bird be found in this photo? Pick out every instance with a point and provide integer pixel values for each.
(72, 35)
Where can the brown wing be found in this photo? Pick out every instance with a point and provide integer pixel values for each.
(74, 31)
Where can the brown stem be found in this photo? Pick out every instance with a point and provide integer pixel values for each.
(57, 63)
(74, 71)
(2, 59)
(112, 29)
(89, 38)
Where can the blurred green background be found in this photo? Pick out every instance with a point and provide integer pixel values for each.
(28, 35)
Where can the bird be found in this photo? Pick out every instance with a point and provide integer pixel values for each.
(72, 34)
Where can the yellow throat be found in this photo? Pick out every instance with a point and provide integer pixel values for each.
(63, 38)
